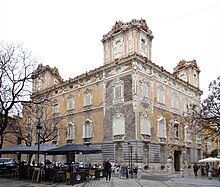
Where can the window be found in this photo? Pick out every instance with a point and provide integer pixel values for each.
(55, 107)
(176, 130)
(70, 103)
(145, 124)
(143, 45)
(208, 146)
(55, 134)
(29, 138)
(175, 101)
(118, 92)
(87, 99)
(144, 90)
(71, 131)
(187, 134)
(117, 48)
(198, 138)
(118, 124)
(87, 130)
(161, 127)
(29, 120)
(160, 95)
(186, 106)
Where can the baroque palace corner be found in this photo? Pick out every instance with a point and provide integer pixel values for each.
(131, 108)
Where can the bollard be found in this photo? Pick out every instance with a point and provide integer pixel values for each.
(210, 175)
(139, 173)
(181, 173)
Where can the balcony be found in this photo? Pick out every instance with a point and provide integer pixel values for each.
(118, 138)
(162, 140)
(87, 141)
(145, 137)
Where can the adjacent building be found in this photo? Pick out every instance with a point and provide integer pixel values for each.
(131, 108)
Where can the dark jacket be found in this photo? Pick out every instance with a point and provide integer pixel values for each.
(108, 166)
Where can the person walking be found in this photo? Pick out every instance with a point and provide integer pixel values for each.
(195, 169)
(108, 170)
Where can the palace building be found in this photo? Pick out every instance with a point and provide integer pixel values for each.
(130, 108)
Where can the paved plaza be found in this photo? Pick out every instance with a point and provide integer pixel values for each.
(151, 181)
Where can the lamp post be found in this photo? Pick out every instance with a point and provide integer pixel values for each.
(129, 155)
(130, 158)
(38, 127)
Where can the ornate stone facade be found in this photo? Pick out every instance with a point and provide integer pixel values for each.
(130, 103)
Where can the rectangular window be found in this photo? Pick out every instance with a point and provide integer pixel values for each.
(161, 96)
(145, 126)
(144, 90)
(55, 108)
(119, 126)
(162, 129)
(175, 102)
(29, 121)
(118, 91)
(208, 146)
(55, 134)
(70, 104)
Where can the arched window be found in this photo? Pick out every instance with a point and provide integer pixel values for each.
(87, 98)
(70, 103)
(55, 107)
(87, 129)
(71, 131)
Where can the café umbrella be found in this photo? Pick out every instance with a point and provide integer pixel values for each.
(74, 148)
(210, 159)
(23, 149)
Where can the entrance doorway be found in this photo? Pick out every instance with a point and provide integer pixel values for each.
(177, 160)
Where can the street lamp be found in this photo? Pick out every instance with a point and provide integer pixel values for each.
(130, 158)
(38, 127)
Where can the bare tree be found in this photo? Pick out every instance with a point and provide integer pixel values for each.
(207, 115)
(16, 68)
(38, 112)
(49, 122)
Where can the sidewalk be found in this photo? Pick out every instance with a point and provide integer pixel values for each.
(117, 182)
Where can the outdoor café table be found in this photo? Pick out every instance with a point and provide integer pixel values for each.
(12, 171)
(58, 175)
(3, 170)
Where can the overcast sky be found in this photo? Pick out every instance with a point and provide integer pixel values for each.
(67, 33)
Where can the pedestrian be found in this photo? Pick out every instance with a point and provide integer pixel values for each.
(108, 170)
(219, 171)
(202, 170)
(195, 169)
